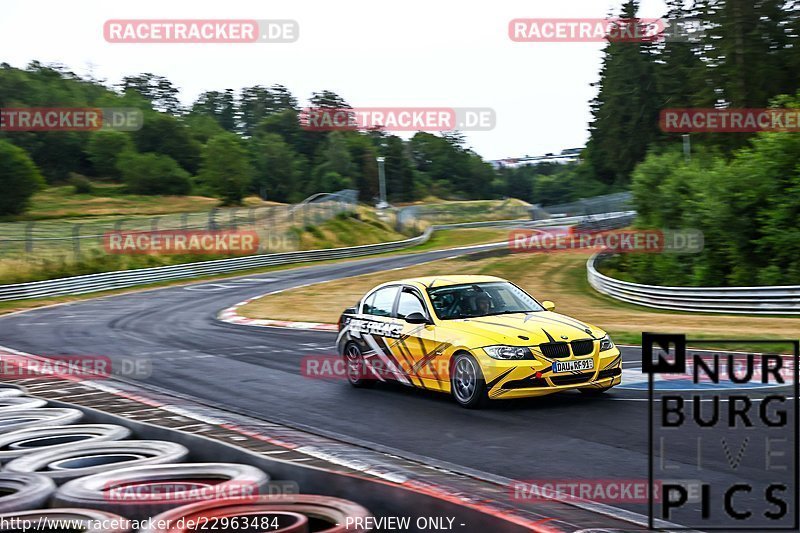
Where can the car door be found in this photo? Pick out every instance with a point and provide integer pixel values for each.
(378, 331)
(417, 348)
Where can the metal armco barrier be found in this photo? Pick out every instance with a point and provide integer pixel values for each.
(130, 278)
(732, 300)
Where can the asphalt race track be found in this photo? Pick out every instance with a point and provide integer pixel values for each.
(558, 437)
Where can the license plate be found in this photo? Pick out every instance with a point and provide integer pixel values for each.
(579, 365)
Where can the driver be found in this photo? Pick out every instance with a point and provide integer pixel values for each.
(483, 304)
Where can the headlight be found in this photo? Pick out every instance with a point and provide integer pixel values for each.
(606, 343)
(508, 352)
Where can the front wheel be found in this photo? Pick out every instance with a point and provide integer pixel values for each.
(355, 366)
(467, 383)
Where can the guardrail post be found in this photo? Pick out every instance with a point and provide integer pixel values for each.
(232, 222)
(184, 221)
(212, 219)
(253, 217)
(154, 223)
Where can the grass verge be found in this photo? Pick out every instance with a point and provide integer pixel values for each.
(440, 240)
(557, 277)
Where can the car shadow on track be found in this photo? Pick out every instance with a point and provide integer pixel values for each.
(551, 401)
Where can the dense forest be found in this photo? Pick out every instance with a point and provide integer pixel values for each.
(741, 189)
(226, 144)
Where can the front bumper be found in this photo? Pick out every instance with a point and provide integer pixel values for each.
(525, 379)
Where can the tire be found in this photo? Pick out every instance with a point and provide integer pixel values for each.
(25, 441)
(87, 458)
(7, 391)
(97, 492)
(17, 403)
(325, 512)
(89, 517)
(467, 384)
(356, 367)
(21, 492)
(40, 417)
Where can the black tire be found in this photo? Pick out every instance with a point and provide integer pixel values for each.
(84, 459)
(40, 417)
(86, 517)
(24, 441)
(472, 396)
(21, 492)
(18, 403)
(355, 367)
(96, 491)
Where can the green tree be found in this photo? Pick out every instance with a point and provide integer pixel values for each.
(626, 110)
(257, 103)
(167, 135)
(226, 169)
(277, 168)
(104, 149)
(399, 171)
(153, 174)
(158, 90)
(19, 179)
(221, 106)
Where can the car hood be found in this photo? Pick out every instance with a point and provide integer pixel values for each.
(539, 327)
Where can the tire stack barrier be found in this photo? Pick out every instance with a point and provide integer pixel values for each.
(42, 417)
(9, 390)
(188, 483)
(18, 403)
(24, 441)
(84, 475)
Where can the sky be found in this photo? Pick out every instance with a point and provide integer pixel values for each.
(373, 53)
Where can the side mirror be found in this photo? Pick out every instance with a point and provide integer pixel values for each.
(548, 305)
(417, 318)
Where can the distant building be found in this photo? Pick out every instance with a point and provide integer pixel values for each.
(570, 155)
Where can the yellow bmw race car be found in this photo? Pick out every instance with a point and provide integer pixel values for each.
(476, 337)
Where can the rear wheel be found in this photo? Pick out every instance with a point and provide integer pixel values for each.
(355, 367)
(467, 383)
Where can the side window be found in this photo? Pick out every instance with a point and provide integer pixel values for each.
(409, 303)
(383, 301)
(368, 303)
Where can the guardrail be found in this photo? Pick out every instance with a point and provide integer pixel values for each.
(782, 300)
(130, 278)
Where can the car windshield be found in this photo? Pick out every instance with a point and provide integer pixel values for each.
(481, 299)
